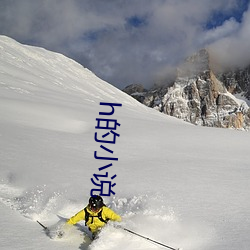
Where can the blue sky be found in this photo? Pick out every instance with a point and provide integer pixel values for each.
(131, 41)
(218, 17)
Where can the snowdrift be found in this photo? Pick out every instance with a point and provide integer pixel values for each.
(182, 185)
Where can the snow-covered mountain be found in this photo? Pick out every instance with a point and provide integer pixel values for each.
(201, 96)
(182, 185)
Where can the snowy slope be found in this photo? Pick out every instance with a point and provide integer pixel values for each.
(179, 184)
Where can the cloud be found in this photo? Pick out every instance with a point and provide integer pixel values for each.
(233, 49)
(121, 41)
(228, 28)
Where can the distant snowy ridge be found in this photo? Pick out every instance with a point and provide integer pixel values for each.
(34, 73)
(40, 68)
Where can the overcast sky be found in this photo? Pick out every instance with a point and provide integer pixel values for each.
(131, 41)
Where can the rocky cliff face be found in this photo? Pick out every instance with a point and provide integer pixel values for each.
(199, 96)
(237, 81)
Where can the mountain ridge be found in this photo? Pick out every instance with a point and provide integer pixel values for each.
(200, 95)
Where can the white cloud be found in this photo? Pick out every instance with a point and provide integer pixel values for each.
(97, 32)
(228, 28)
(233, 50)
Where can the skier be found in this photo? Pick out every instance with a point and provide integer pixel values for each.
(95, 214)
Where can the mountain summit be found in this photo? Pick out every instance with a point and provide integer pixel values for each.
(201, 96)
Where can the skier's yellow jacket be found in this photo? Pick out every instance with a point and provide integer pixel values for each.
(94, 223)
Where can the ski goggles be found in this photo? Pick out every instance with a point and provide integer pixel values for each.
(94, 208)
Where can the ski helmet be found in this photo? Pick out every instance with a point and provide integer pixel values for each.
(95, 202)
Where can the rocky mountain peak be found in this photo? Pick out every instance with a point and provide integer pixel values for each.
(196, 64)
(200, 96)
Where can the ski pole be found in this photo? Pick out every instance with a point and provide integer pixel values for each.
(45, 228)
(149, 239)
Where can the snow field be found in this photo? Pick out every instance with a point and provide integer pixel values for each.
(181, 185)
